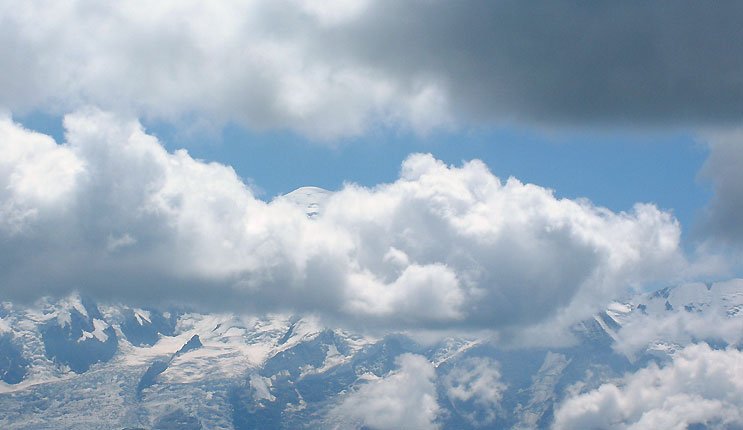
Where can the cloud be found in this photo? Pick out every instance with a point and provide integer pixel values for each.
(257, 63)
(722, 221)
(701, 386)
(678, 328)
(35, 173)
(714, 316)
(114, 215)
(474, 386)
(331, 69)
(403, 399)
(599, 62)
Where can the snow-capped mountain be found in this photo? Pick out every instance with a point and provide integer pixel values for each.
(73, 363)
(310, 199)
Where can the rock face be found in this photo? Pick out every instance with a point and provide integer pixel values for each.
(144, 327)
(150, 376)
(80, 338)
(177, 420)
(193, 343)
(152, 369)
(12, 362)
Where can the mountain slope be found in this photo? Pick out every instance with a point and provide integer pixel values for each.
(72, 363)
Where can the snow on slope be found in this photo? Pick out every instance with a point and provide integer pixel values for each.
(663, 321)
(311, 199)
(282, 371)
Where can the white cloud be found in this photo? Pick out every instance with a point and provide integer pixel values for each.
(256, 63)
(700, 386)
(698, 312)
(440, 246)
(677, 328)
(35, 174)
(475, 382)
(403, 399)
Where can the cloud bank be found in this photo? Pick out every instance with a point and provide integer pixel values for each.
(336, 68)
(700, 387)
(112, 214)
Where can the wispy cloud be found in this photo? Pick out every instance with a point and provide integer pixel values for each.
(405, 398)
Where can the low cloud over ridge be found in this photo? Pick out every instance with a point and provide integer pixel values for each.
(404, 398)
(112, 214)
(701, 386)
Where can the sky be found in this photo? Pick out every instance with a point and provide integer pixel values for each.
(492, 165)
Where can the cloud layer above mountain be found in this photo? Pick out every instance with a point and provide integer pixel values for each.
(700, 387)
(111, 213)
(335, 68)
(405, 398)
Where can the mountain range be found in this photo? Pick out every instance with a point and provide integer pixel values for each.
(73, 363)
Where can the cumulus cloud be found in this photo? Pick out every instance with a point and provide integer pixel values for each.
(35, 173)
(112, 214)
(259, 63)
(701, 386)
(334, 68)
(404, 399)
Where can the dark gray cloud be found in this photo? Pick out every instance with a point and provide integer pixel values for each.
(722, 220)
(580, 62)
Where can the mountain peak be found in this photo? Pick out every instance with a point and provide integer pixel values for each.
(311, 199)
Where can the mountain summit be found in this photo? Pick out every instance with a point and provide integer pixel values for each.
(311, 199)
